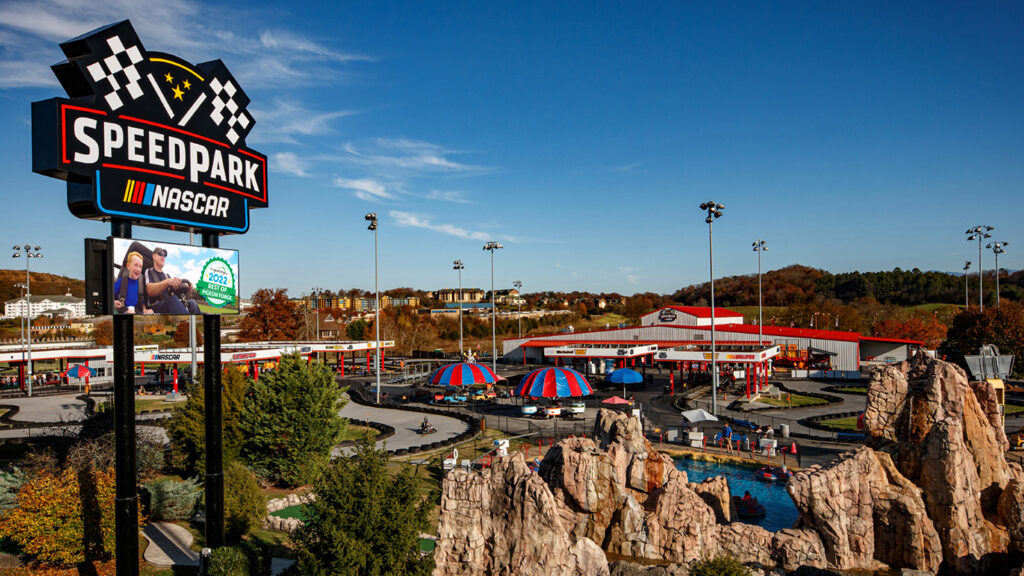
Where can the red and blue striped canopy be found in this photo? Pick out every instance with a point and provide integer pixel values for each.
(463, 374)
(554, 383)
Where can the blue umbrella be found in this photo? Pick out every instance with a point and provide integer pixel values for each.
(625, 376)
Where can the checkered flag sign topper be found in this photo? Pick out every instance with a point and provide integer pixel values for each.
(119, 72)
(228, 111)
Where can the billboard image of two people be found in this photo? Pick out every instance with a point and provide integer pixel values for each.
(165, 278)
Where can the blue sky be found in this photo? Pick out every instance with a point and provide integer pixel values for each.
(582, 136)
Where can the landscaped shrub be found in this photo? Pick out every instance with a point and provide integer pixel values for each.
(244, 504)
(172, 499)
(725, 565)
(49, 523)
(244, 559)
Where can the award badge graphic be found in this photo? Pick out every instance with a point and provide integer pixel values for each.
(217, 284)
(149, 137)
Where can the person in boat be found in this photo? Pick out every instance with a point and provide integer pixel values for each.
(746, 497)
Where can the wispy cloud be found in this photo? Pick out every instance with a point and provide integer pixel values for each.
(406, 155)
(417, 221)
(288, 122)
(630, 277)
(448, 196)
(258, 57)
(630, 167)
(289, 163)
(365, 188)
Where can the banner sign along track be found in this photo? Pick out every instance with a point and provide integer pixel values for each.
(149, 137)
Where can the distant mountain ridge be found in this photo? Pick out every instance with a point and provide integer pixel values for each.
(43, 284)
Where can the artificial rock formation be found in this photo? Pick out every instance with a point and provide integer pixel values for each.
(930, 492)
(613, 495)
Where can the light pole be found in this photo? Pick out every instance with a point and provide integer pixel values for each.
(997, 249)
(30, 252)
(316, 312)
(458, 265)
(372, 219)
(24, 290)
(714, 211)
(967, 266)
(519, 305)
(980, 232)
(759, 247)
(491, 247)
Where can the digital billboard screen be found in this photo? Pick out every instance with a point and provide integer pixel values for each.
(164, 278)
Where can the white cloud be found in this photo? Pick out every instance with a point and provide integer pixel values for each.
(410, 155)
(416, 221)
(31, 29)
(289, 122)
(627, 272)
(365, 188)
(289, 163)
(448, 196)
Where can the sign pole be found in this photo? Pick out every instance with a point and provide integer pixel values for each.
(126, 498)
(214, 445)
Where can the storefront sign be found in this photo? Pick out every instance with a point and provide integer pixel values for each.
(149, 137)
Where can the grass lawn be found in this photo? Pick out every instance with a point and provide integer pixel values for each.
(845, 424)
(155, 404)
(354, 432)
(291, 512)
(1013, 410)
(610, 318)
(852, 389)
(795, 401)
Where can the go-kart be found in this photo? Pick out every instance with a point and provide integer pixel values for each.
(424, 430)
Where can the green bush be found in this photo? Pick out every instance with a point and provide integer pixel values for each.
(9, 484)
(244, 504)
(725, 565)
(172, 500)
(244, 559)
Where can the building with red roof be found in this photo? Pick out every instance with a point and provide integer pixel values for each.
(842, 353)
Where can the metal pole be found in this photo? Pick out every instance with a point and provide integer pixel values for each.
(494, 338)
(714, 360)
(981, 290)
(28, 311)
(126, 499)
(316, 314)
(966, 276)
(213, 389)
(519, 306)
(461, 349)
(376, 322)
(192, 328)
(997, 278)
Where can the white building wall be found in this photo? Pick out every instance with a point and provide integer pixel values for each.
(847, 358)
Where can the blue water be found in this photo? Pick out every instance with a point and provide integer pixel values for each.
(781, 512)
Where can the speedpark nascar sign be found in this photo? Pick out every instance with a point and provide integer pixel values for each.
(148, 137)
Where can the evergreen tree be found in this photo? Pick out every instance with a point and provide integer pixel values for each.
(364, 520)
(187, 429)
(244, 503)
(290, 421)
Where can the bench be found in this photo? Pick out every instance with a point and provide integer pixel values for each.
(744, 424)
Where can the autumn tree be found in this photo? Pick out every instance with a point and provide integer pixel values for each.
(181, 339)
(271, 317)
(970, 330)
(923, 327)
(49, 522)
(103, 333)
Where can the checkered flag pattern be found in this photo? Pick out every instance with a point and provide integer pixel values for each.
(226, 110)
(119, 71)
